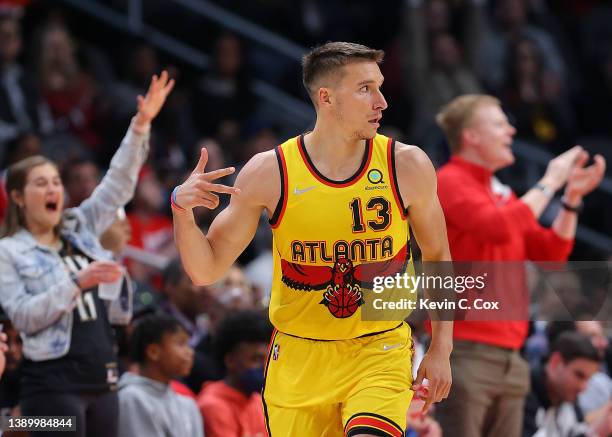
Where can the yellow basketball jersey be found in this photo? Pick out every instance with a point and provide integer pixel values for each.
(331, 238)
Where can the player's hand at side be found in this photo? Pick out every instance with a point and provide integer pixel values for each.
(436, 368)
(199, 189)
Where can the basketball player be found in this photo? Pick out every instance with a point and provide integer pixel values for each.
(337, 197)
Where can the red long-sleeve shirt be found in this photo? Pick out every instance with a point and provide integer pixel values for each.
(487, 222)
(229, 413)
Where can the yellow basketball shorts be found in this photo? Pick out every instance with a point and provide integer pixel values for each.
(338, 388)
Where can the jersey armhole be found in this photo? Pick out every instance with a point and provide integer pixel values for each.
(393, 177)
(282, 201)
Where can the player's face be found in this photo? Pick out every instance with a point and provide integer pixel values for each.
(358, 102)
(492, 136)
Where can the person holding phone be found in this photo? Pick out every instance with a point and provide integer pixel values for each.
(52, 268)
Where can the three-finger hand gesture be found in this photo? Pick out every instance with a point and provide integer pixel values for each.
(150, 105)
(199, 189)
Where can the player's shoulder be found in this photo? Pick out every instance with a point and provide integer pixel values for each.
(412, 159)
(262, 165)
(260, 179)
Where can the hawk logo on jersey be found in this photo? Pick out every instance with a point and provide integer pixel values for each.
(342, 282)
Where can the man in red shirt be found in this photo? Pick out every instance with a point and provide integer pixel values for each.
(486, 221)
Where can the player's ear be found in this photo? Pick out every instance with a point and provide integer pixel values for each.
(324, 96)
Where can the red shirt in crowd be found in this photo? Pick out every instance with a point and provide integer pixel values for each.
(227, 412)
(487, 222)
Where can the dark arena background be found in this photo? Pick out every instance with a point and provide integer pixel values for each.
(70, 74)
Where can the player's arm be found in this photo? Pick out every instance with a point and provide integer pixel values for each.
(418, 188)
(206, 257)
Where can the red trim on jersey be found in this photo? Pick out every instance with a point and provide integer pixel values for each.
(373, 422)
(394, 186)
(365, 163)
(275, 221)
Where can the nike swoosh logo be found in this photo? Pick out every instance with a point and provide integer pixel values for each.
(388, 347)
(297, 191)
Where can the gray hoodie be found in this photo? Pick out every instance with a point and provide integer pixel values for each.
(150, 408)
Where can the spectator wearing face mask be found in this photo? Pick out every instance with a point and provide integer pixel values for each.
(148, 404)
(232, 407)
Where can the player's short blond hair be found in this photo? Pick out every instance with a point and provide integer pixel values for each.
(457, 114)
(328, 59)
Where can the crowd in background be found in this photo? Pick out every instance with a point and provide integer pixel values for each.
(69, 95)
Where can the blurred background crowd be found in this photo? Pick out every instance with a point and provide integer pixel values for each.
(68, 86)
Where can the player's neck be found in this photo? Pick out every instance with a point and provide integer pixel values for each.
(334, 153)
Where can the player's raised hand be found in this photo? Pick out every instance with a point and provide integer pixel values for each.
(199, 189)
(436, 368)
(150, 105)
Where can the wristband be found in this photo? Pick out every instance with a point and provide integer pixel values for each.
(173, 200)
(566, 206)
(544, 189)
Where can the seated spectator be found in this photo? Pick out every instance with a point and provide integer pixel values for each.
(148, 405)
(599, 389)
(233, 407)
(68, 89)
(234, 291)
(184, 300)
(222, 99)
(81, 176)
(536, 98)
(551, 409)
(22, 109)
(151, 229)
(22, 147)
(510, 18)
(434, 63)
(194, 307)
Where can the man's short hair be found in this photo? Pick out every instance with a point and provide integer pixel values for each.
(148, 330)
(572, 345)
(327, 60)
(457, 114)
(241, 327)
